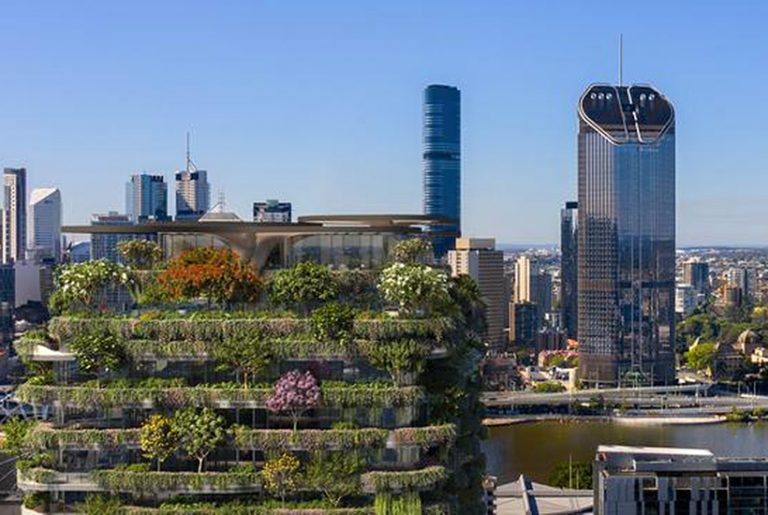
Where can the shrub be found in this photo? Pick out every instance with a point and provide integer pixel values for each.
(34, 500)
(576, 475)
(82, 285)
(549, 387)
(96, 504)
(250, 356)
(98, 353)
(334, 322)
(16, 432)
(396, 357)
(304, 285)
(336, 474)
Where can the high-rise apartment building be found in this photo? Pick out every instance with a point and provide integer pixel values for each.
(272, 211)
(626, 234)
(569, 226)
(479, 259)
(442, 162)
(146, 198)
(742, 278)
(696, 273)
(14, 214)
(193, 194)
(524, 269)
(45, 224)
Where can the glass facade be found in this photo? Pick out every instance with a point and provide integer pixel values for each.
(442, 162)
(569, 267)
(626, 236)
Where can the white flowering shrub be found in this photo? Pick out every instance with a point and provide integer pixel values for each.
(80, 285)
(414, 288)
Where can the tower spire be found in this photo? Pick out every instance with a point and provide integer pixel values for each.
(621, 59)
(190, 164)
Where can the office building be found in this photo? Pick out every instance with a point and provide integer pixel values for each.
(523, 323)
(14, 215)
(479, 259)
(642, 480)
(146, 198)
(272, 211)
(626, 235)
(696, 273)
(442, 163)
(741, 278)
(193, 194)
(540, 285)
(569, 225)
(104, 244)
(45, 224)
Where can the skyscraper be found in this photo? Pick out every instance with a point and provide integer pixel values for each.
(524, 269)
(45, 223)
(626, 236)
(146, 198)
(442, 162)
(14, 214)
(479, 259)
(193, 194)
(569, 223)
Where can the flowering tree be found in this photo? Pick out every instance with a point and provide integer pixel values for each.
(414, 288)
(295, 393)
(83, 284)
(158, 439)
(413, 251)
(217, 275)
(281, 475)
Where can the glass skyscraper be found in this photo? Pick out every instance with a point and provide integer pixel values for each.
(146, 197)
(442, 162)
(569, 268)
(626, 235)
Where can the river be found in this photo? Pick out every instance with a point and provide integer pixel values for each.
(536, 448)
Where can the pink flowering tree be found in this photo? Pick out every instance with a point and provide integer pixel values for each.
(295, 393)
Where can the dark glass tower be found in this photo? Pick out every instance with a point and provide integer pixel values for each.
(626, 237)
(569, 224)
(442, 162)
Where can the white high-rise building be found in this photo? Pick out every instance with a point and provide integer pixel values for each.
(45, 223)
(525, 268)
(14, 214)
(193, 194)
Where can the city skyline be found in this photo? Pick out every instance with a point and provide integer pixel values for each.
(519, 158)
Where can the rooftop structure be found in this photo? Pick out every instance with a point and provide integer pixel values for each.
(338, 240)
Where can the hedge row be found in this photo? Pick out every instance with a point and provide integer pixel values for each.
(401, 481)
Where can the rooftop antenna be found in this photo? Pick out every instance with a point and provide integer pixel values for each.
(621, 60)
(190, 164)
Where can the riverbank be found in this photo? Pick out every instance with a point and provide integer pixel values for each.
(618, 419)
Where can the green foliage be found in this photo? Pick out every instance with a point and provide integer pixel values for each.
(199, 432)
(281, 475)
(250, 356)
(549, 387)
(140, 254)
(304, 285)
(98, 353)
(396, 357)
(415, 289)
(96, 504)
(17, 432)
(33, 500)
(281, 440)
(406, 503)
(413, 251)
(336, 474)
(379, 481)
(577, 475)
(702, 356)
(334, 322)
(144, 482)
(158, 438)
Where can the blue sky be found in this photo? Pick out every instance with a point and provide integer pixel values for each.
(318, 102)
